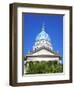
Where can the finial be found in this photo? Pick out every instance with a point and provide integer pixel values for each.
(43, 26)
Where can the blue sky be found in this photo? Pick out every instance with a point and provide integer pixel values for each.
(32, 24)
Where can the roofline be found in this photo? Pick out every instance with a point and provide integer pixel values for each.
(42, 56)
(34, 51)
(25, 58)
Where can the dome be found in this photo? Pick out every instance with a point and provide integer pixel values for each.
(42, 40)
(42, 35)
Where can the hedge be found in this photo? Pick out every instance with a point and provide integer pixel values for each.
(38, 67)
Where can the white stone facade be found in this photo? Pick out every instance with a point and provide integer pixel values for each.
(43, 55)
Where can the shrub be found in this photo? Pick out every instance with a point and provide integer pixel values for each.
(36, 67)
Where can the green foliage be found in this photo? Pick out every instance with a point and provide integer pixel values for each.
(36, 67)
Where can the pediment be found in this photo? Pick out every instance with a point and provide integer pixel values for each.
(43, 52)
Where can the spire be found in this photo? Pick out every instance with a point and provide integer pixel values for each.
(43, 26)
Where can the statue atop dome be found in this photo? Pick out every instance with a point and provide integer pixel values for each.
(42, 40)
